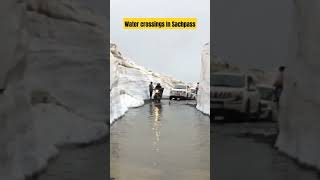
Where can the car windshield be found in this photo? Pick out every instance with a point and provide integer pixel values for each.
(266, 93)
(227, 80)
(180, 87)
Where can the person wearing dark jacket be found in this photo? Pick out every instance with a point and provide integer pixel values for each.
(150, 89)
(158, 86)
(278, 84)
(197, 87)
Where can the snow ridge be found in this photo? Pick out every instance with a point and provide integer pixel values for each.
(129, 83)
(203, 97)
(42, 104)
(299, 115)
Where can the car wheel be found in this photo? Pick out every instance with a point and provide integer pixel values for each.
(170, 98)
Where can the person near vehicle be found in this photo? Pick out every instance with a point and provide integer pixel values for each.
(197, 87)
(151, 89)
(278, 84)
(158, 87)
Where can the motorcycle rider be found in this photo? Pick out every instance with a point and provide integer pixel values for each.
(158, 87)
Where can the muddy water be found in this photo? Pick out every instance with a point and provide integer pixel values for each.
(161, 141)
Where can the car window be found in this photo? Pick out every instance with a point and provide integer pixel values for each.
(180, 87)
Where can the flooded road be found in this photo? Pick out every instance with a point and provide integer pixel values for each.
(76, 163)
(172, 142)
(161, 141)
(244, 151)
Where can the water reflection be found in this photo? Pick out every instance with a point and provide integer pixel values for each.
(155, 110)
(149, 141)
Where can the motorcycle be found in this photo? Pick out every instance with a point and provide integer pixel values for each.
(157, 95)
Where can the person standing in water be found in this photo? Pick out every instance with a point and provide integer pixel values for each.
(150, 89)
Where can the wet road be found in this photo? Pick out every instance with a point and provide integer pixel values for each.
(76, 163)
(172, 142)
(244, 151)
(161, 142)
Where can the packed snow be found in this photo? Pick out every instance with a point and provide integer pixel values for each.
(203, 96)
(43, 102)
(129, 83)
(16, 129)
(300, 104)
(66, 60)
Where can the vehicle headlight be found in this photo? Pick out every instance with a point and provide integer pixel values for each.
(157, 90)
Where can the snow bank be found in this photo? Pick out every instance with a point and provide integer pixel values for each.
(203, 97)
(129, 83)
(67, 58)
(16, 124)
(43, 102)
(299, 115)
(61, 127)
(66, 72)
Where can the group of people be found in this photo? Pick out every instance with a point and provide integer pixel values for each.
(278, 85)
(158, 86)
(151, 89)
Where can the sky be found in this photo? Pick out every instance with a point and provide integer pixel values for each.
(252, 33)
(249, 33)
(172, 52)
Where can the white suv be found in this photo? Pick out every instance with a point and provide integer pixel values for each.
(234, 93)
(180, 91)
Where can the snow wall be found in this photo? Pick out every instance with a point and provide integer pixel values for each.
(129, 83)
(300, 106)
(43, 102)
(203, 97)
(16, 125)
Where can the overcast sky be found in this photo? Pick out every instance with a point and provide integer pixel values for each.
(173, 52)
(252, 33)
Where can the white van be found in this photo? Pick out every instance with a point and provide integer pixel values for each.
(234, 93)
(180, 91)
